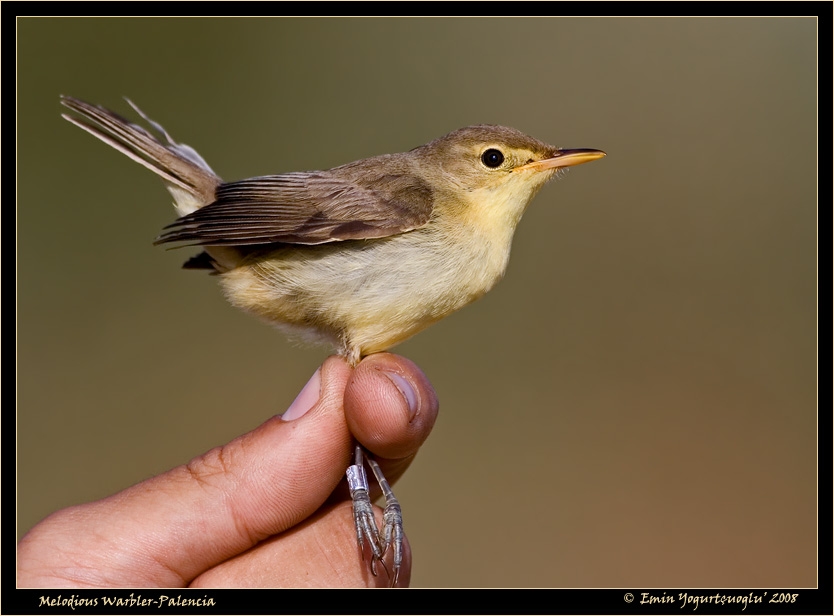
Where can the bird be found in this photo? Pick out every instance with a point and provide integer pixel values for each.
(359, 257)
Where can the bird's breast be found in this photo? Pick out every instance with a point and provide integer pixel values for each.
(369, 294)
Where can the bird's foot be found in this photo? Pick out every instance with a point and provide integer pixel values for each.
(391, 535)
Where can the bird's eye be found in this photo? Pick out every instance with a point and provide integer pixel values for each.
(492, 158)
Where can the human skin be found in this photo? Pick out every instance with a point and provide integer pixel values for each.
(268, 509)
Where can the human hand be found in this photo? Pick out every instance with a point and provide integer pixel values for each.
(268, 509)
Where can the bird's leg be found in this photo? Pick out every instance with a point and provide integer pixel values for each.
(363, 511)
(363, 515)
(392, 521)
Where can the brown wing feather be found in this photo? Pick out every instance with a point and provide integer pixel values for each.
(356, 201)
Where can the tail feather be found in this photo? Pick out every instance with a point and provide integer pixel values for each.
(186, 175)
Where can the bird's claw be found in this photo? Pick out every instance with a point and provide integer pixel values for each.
(391, 535)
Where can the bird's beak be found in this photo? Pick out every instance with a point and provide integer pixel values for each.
(564, 158)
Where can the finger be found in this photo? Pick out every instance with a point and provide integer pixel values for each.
(390, 407)
(168, 529)
(321, 552)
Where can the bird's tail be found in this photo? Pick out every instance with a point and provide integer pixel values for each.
(186, 175)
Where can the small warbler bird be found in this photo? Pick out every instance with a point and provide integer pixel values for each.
(361, 256)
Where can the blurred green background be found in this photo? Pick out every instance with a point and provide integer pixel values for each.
(634, 405)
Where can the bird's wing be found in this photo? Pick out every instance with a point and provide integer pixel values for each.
(307, 208)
